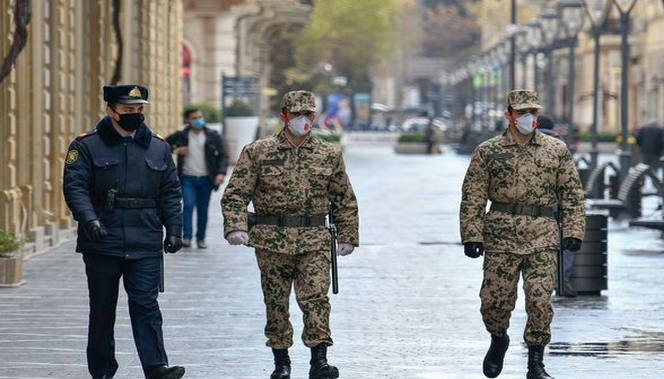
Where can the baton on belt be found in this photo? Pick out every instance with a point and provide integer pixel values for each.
(333, 251)
(560, 287)
(161, 275)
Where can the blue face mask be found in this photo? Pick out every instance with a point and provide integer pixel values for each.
(198, 123)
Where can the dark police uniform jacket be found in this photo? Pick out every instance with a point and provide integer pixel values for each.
(139, 167)
(216, 159)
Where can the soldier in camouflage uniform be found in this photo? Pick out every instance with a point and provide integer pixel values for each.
(292, 178)
(525, 174)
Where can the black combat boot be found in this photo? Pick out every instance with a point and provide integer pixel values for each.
(319, 367)
(493, 361)
(535, 364)
(281, 364)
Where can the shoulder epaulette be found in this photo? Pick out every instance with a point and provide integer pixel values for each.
(158, 136)
(86, 134)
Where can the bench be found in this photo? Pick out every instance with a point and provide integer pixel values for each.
(628, 202)
(596, 185)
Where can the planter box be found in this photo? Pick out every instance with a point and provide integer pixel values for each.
(11, 271)
(239, 131)
(410, 148)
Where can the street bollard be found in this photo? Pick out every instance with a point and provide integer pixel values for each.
(589, 272)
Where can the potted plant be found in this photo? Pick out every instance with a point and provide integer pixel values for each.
(240, 128)
(411, 143)
(11, 260)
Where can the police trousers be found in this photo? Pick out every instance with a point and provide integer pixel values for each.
(140, 278)
(499, 293)
(309, 275)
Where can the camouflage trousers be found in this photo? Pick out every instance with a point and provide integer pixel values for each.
(309, 274)
(499, 293)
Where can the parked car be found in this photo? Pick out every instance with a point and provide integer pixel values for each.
(417, 124)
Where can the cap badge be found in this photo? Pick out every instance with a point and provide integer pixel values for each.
(135, 92)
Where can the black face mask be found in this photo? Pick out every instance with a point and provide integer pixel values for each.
(131, 121)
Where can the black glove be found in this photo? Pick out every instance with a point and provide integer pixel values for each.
(473, 249)
(172, 244)
(95, 230)
(571, 244)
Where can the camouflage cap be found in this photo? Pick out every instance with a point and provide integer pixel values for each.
(523, 99)
(299, 101)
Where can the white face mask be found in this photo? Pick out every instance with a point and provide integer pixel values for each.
(525, 123)
(299, 126)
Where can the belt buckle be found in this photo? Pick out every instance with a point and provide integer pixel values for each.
(133, 203)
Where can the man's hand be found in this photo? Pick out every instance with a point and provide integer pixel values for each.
(172, 244)
(182, 150)
(219, 179)
(95, 230)
(571, 244)
(473, 249)
(345, 248)
(238, 237)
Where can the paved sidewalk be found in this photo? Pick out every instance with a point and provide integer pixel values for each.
(408, 305)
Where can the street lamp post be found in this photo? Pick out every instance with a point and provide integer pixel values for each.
(550, 25)
(535, 36)
(521, 36)
(597, 12)
(625, 8)
(572, 18)
(512, 80)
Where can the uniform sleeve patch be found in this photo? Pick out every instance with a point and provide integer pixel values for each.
(72, 156)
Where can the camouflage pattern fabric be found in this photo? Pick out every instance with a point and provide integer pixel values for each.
(499, 293)
(299, 101)
(523, 99)
(282, 180)
(309, 274)
(537, 173)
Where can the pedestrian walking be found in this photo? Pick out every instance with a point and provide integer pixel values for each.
(430, 136)
(650, 139)
(525, 175)
(546, 125)
(122, 187)
(292, 179)
(202, 163)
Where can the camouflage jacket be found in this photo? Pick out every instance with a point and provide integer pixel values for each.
(283, 180)
(541, 173)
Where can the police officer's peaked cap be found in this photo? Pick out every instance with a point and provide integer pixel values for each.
(523, 99)
(299, 101)
(126, 94)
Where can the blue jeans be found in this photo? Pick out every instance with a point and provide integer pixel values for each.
(196, 191)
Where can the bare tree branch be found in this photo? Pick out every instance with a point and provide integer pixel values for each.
(22, 16)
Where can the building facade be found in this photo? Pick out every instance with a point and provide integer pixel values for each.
(53, 92)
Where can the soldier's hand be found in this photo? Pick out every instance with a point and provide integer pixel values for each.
(238, 237)
(172, 244)
(571, 244)
(95, 230)
(345, 248)
(473, 249)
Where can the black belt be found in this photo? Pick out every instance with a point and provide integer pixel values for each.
(288, 221)
(133, 202)
(523, 209)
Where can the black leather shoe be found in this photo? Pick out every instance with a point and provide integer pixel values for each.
(493, 361)
(165, 372)
(536, 363)
(282, 364)
(320, 369)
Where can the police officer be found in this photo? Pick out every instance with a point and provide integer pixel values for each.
(525, 175)
(292, 178)
(122, 187)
